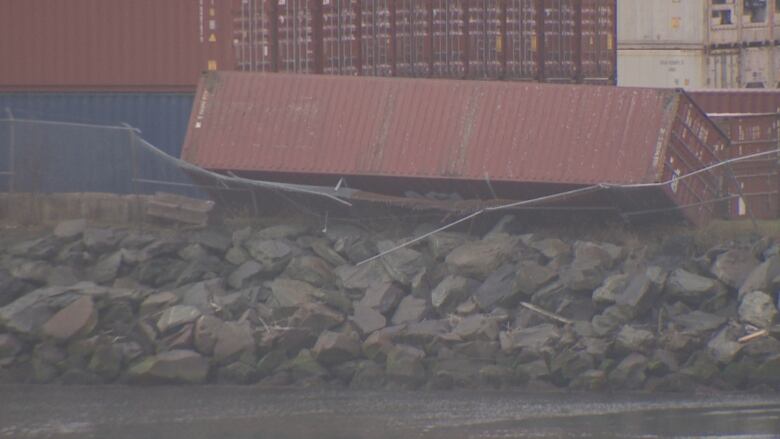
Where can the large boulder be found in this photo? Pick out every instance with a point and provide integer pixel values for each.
(451, 292)
(368, 319)
(757, 308)
(316, 317)
(401, 264)
(531, 277)
(699, 323)
(334, 348)
(630, 373)
(382, 297)
(762, 277)
(107, 268)
(724, 347)
(534, 339)
(291, 294)
(734, 266)
(497, 288)
(481, 327)
(607, 293)
(70, 229)
(273, 255)
(233, 339)
(205, 333)
(480, 258)
(28, 313)
(77, 319)
(176, 316)
(404, 366)
(692, 288)
(245, 275)
(642, 290)
(630, 339)
(443, 243)
(176, 367)
(311, 269)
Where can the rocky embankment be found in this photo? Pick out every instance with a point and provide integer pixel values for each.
(286, 305)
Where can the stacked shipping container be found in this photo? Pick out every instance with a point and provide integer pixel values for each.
(699, 43)
(551, 40)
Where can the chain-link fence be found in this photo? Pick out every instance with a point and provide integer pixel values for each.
(50, 157)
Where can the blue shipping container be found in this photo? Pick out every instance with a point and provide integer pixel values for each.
(84, 158)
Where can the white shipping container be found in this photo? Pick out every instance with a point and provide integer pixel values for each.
(662, 68)
(724, 69)
(668, 23)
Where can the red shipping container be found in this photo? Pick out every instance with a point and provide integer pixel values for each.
(112, 45)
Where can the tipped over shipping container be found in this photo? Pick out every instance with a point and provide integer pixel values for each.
(393, 134)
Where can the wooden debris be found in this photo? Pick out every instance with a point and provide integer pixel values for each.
(753, 336)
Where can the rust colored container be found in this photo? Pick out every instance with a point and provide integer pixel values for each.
(405, 131)
(112, 45)
(548, 40)
(737, 101)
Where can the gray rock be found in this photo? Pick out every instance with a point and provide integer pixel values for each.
(77, 319)
(11, 288)
(368, 375)
(282, 231)
(32, 271)
(207, 329)
(357, 250)
(178, 366)
(311, 269)
(402, 264)
(213, 240)
(452, 291)
(200, 294)
(236, 256)
(701, 367)
(762, 277)
(10, 346)
(630, 339)
(383, 297)
(425, 333)
(70, 229)
(497, 288)
(233, 339)
(404, 366)
(42, 248)
(361, 277)
(410, 310)
(61, 276)
(238, 372)
(734, 266)
(497, 376)
(107, 268)
(106, 361)
(531, 277)
(584, 274)
(629, 373)
(533, 370)
(460, 372)
(611, 319)
(368, 320)
(534, 339)
(480, 258)
(322, 248)
(304, 366)
(100, 240)
(757, 308)
(177, 315)
(642, 290)
(699, 322)
(607, 293)
(768, 372)
(568, 365)
(442, 243)
(158, 249)
(28, 313)
(334, 348)
(273, 255)
(316, 317)
(245, 275)
(590, 380)
(692, 288)
(724, 347)
(291, 294)
(270, 362)
(193, 252)
(480, 327)
(160, 272)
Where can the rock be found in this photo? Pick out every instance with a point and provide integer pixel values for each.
(590, 380)
(402, 264)
(480, 258)
(531, 277)
(100, 240)
(106, 270)
(532, 370)
(322, 249)
(200, 294)
(10, 346)
(551, 248)
(160, 272)
(452, 291)
(311, 269)
(70, 229)
(176, 367)
(363, 276)
(270, 362)
(32, 271)
(233, 339)
(291, 294)
(611, 319)
(379, 343)
(11, 288)
(642, 290)
(480, 327)
(699, 322)
(734, 266)
(757, 308)
(768, 372)
(404, 366)
(158, 249)
(42, 248)
(28, 313)
(368, 375)
(583, 275)
(237, 372)
(177, 315)
(207, 329)
(496, 376)
(193, 252)
(450, 372)
(443, 243)
(106, 361)
(425, 333)
(762, 277)
(410, 310)
(692, 288)
(630, 339)
(497, 288)
(273, 255)
(236, 256)
(724, 347)
(156, 302)
(61, 276)
(213, 240)
(568, 365)
(334, 348)
(316, 317)
(701, 367)
(245, 275)
(368, 320)
(304, 366)
(179, 338)
(282, 231)
(77, 319)
(629, 373)
(356, 249)
(607, 293)
(534, 339)
(382, 297)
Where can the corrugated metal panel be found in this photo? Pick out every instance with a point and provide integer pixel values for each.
(661, 68)
(674, 24)
(161, 117)
(111, 44)
(737, 101)
(455, 130)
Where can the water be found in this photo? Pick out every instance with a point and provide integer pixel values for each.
(252, 413)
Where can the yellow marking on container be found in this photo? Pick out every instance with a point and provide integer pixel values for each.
(676, 21)
(212, 12)
(533, 42)
(499, 44)
(212, 38)
(609, 42)
(212, 65)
